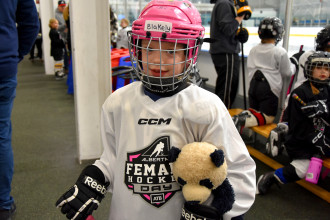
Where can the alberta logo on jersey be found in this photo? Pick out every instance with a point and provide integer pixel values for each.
(149, 173)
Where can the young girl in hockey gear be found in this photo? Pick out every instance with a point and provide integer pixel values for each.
(275, 142)
(56, 48)
(309, 121)
(143, 120)
(322, 43)
(266, 64)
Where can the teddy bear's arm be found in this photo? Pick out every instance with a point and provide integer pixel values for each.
(224, 197)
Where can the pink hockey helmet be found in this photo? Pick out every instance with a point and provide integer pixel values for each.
(176, 21)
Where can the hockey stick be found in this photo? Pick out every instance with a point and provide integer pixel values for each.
(296, 97)
(295, 75)
(291, 84)
(243, 71)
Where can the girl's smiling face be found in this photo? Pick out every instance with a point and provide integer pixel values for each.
(168, 62)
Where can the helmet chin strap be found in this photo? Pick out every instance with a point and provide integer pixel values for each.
(181, 86)
(318, 84)
(162, 85)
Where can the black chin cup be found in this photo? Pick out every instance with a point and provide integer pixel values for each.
(319, 83)
(162, 85)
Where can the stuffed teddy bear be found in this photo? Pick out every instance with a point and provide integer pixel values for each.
(201, 169)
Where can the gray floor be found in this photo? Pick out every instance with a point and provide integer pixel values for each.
(46, 163)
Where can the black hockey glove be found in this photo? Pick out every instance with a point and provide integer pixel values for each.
(193, 210)
(242, 35)
(295, 58)
(85, 196)
(243, 8)
(315, 109)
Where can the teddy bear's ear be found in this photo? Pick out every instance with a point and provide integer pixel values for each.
(173, 154)
(217, 157)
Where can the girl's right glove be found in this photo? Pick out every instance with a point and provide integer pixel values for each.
(85, 196)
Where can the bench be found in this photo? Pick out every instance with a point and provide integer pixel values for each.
(265, 130)
(234, 111)
(315, 189)
(326, 164)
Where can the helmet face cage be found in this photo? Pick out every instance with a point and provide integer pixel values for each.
(177, 22)
(317, 60)
(161, 83)
(322, 39)
(271, 28)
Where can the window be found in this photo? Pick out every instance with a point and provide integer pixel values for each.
(308, 18)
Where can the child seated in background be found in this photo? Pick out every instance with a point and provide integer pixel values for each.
(266, 65)
(308, 121)
(164, 42)
(56, 48)
(122, 40)
(322, 43)
(275, 142)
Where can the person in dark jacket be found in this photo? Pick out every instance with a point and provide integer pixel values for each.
(225, 48)
(309, 121)
(56, 48)
(19, 26)
(38, 44)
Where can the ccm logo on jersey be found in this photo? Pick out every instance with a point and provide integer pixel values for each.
(190, 216)
(315, 139)
(154, 121)
(89, 181)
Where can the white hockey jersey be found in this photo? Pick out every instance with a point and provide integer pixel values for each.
(137, 134)
(273, 62)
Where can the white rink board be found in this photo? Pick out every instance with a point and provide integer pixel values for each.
(298, 36)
